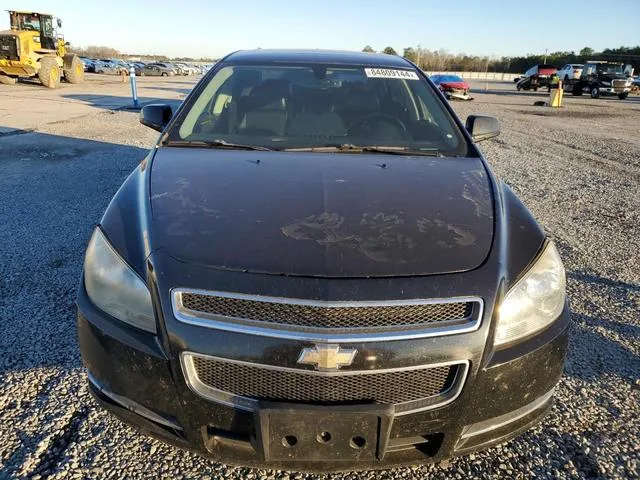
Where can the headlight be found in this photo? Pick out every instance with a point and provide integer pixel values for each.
(606, 84)
(114, 287)
(535, 301)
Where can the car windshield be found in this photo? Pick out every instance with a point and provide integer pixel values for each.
(610, 68)
(450, 78)
(318, 106)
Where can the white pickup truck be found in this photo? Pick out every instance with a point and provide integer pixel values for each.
(571, 71)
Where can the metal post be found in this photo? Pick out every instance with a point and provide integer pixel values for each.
(134, 87)
(486, 76)
(418, 59)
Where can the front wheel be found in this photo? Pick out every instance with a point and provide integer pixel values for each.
(49, 73)
(595, 92)
(73, 69)
(518, 87)
(165, 74)
(623, 96)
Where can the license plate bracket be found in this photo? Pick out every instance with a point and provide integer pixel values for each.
(288, 432)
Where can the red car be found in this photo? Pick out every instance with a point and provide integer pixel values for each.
(452, 86)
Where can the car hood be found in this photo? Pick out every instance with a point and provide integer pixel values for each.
(321, 215)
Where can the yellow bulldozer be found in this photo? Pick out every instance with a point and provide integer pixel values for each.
(33, 48)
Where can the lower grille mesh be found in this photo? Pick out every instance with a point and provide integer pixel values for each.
(389, 388)
(317, 316)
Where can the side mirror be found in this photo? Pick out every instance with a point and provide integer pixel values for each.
(481, 127)
(67, 44)
(156, 116)
(59, 23)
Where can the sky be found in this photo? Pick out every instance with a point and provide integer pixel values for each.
(210, 28)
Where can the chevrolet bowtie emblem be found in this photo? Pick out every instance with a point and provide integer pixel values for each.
(327, 357)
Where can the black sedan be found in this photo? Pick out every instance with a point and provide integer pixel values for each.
(316, 269)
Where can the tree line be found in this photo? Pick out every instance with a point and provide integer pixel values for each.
(94, 51)
(442, 60)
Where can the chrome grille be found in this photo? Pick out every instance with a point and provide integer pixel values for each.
(404, 388)
(326, 315)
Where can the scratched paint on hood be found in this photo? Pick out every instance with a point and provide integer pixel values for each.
(316, 214)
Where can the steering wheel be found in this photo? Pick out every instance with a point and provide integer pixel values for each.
(369, 117)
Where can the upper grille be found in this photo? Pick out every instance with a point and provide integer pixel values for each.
(261, 382)
(328, 316)
(619, 83)
(8, 47)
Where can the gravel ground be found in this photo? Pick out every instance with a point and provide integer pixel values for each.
(577, 169)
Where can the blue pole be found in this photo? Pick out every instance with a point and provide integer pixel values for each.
(134, 88)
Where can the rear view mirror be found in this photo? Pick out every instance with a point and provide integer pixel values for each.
(481, 127)
(156, 116)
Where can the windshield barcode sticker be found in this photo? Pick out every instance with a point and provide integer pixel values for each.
(388, 73)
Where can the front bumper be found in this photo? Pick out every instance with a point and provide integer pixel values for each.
(614, 90)
(457, 94)
(137, 376)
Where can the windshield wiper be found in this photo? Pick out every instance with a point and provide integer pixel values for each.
(213, 144)
(350, 148)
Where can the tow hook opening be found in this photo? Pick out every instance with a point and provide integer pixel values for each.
(289, 441)
(357, 442)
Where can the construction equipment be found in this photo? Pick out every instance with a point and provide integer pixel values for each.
(33, 48)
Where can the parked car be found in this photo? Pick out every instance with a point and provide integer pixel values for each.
(88, 64)
(157, 70)
(182, 68)
(453, 86)
(536, 77)
(119, 65)
(138, 66)
(107, 68)
(570, 71)
(340, 285)
(192, 69)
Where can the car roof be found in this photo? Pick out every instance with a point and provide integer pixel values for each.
(317, 56)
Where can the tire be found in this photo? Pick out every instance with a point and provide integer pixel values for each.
(165, 74)
(595, 91)
(73, 69)
(49, 73)
(101, 72)
(7, 80)
(535, 89)
(623, 96)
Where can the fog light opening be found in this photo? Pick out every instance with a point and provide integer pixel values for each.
(357, 442)
(323, 437)
(289, 441)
